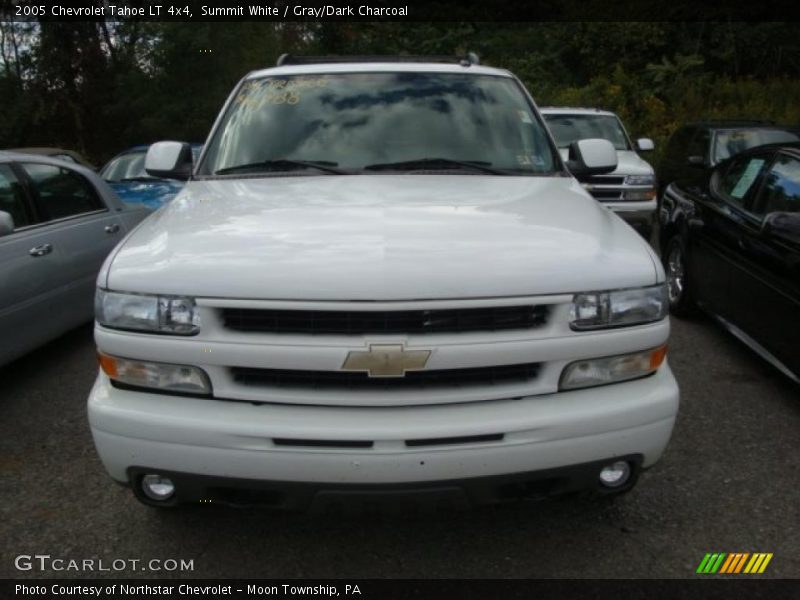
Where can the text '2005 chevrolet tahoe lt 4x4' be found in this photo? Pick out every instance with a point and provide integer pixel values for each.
(381, 279)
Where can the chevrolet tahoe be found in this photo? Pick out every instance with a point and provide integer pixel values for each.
(381, 279)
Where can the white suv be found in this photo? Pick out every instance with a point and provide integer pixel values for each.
(381, 278)
(630, 190)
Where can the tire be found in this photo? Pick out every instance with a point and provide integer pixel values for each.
(681, 302)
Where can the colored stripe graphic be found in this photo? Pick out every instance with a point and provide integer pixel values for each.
(734, 563)
(740, 563)
(754, 563)
(703, 563)
(711, 563)
(727, 564)
(767, 558)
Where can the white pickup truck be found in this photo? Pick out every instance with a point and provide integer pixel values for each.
(381, 280)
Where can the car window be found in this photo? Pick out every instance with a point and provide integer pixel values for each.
(358, 120)
(12, 197)
(740, 178)
(65, 157)
(61, 192)
(568, 128)
(781, 189)
(729, 143)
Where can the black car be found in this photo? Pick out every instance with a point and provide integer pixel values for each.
(730, 243)
(698, 146)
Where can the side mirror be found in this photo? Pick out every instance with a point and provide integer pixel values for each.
(696, 161)
(645, 145)
(591, 157)
(781, 225)
(169, 160)
(6, 223)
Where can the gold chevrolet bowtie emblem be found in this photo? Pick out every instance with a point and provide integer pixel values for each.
(386, 360)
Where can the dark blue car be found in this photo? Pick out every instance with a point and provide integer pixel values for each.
(125, 173)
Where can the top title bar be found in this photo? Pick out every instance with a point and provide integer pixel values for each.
(402, 10)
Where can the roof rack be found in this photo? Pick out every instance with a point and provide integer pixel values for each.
(592, 108)
(292, 59)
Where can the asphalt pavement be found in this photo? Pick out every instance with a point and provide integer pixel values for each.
(729, 482)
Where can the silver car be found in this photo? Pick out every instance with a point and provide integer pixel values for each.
(58, 222)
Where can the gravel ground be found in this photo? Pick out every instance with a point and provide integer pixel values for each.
(728, 482)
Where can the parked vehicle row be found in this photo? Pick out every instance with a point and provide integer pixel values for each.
(475, 284)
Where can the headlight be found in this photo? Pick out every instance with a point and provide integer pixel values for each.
(177, 315)
(611, 369)
(618, 308)
(160, 376)
(640, 195)
(640, 180)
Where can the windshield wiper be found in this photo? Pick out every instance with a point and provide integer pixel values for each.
(283, 164)
(435, 163)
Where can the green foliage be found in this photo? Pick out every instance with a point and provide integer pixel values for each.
(101, 87)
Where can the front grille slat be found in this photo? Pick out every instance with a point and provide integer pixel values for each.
(438, 378)
(604, 180)
(606, 194)
(384, 322)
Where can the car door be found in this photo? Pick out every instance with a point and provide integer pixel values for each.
(720, 262)
(30, 263)
(770, 265)
(84, 231)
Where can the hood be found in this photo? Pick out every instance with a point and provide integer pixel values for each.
(151, 194)
(628, 163)
(381, 237)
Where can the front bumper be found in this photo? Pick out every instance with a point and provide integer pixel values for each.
(342, 497)
(402, 447)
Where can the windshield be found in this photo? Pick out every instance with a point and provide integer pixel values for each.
(732, 142)
(127, 166)
(380, 122)
(571, 128)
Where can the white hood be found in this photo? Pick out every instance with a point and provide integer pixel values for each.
(381, 237)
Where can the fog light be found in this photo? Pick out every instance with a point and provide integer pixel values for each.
(157, 487)
(615, 474)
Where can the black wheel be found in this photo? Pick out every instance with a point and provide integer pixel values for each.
(681, 303)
